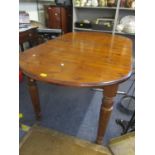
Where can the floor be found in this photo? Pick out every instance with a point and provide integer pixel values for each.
(43, 141)
(73, 111)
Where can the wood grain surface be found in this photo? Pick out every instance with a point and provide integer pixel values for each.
(82, 59)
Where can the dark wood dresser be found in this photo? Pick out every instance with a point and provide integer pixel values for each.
(59, 17)
(31, 36)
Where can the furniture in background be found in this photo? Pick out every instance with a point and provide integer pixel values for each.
(48, 34)
(59, 17)
(35, 36)
(29, 35)
(108, 13)
(27, 32)
(77, 60)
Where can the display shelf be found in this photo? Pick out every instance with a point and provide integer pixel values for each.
(91, 7)
(92, 30)
(129, 9)
(124, 33)
(92, 13)
(45, 1)
(107, 19)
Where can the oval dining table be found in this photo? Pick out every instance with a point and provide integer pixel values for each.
(80, 59)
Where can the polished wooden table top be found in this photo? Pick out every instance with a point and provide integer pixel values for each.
(83, 59)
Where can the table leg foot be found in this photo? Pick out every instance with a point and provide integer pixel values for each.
(33, 90)
(99, 141)
(105, 111)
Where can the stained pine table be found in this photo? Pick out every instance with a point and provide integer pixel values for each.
(80, 59)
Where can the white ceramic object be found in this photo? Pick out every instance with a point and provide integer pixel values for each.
(133, 5)
(94, 3)
(120, 27)
(129, 24)
(129, 28)
(86, 21)
(88, 3)
(127, 19)
(83, 3)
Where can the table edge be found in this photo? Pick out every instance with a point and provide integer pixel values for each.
(75, 84)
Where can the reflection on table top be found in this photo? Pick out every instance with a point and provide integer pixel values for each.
(83, 59)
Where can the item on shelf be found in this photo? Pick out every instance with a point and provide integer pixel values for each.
(102, 3)
(86, 21)
(94, 3)
(119, 27)
(83, 3)
(133, 5)
(104, 19)
(127, 19)
(102, 24)
(77, 2)
(89, 3)
(111, 3)
(24, 19)
(127, 24)
(129, 3)
(122, 3)
(129, 28)
(83, 24)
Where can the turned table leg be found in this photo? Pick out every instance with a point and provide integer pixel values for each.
(105, 111)
(33, 90)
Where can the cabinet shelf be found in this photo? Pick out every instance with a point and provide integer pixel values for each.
(123, 8)
(92, 30)
(107, 19)
(92, 13)
(132, 34)
(91, 7)
(45, 1)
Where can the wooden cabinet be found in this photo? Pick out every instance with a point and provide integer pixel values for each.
(29, 36)
(59, 18)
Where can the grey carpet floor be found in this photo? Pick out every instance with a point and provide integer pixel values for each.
(73, 111)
